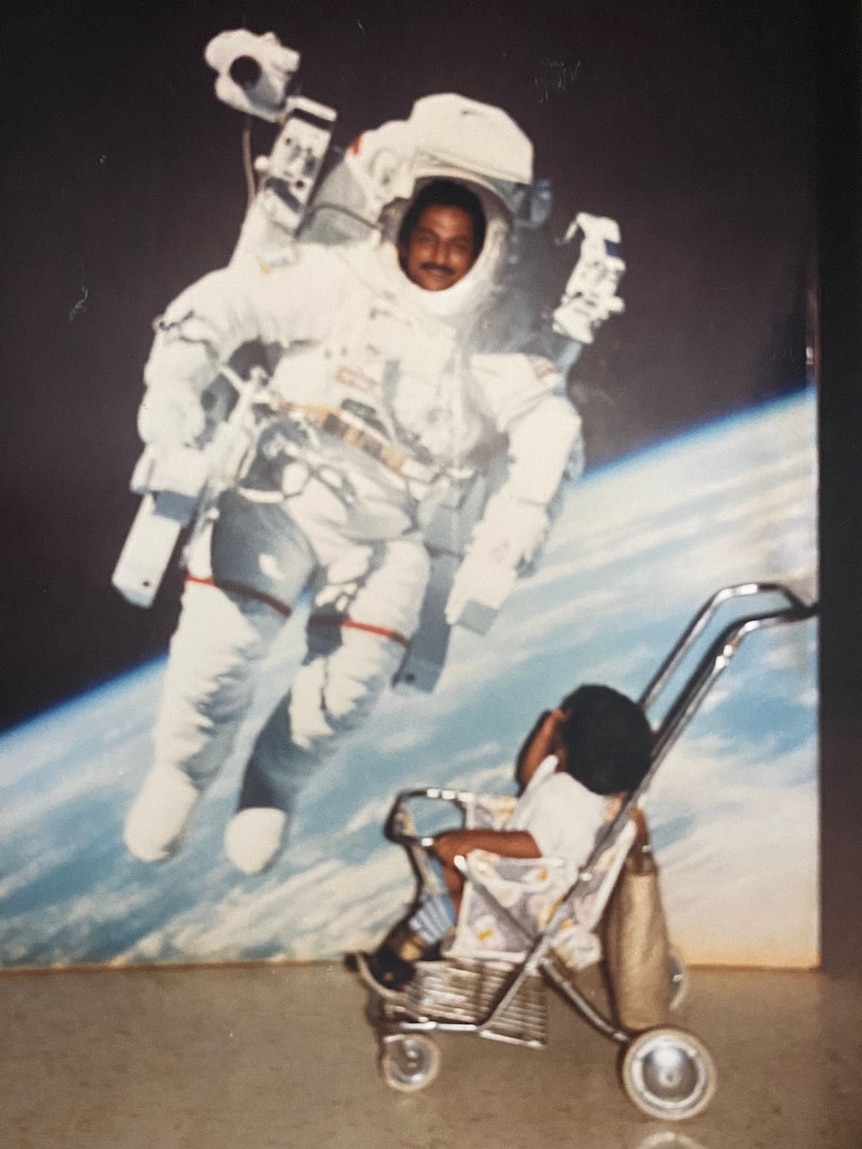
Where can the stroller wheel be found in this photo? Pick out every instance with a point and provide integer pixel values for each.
(668, 1074)
(678, 979)
(409, 1062)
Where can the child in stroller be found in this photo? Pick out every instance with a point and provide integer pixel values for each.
(524, 922)
(575, 770)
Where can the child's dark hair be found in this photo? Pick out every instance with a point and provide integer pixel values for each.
(607, 738)
(445, 193)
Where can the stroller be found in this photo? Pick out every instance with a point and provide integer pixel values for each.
(499, 991)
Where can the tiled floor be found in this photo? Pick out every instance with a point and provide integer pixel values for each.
(264, 1057)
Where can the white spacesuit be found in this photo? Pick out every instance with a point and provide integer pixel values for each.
(378, 407)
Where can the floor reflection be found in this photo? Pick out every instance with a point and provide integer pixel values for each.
(670, 1139)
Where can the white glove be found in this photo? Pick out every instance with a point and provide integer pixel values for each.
(180, 367)
(511, 533)
(505, 543)
(171, 417)
(479, 590)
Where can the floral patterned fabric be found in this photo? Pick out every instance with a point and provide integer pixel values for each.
(509, 901)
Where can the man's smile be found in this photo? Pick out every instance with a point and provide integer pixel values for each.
(438, 269)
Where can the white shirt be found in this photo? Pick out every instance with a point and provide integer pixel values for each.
(562, 815)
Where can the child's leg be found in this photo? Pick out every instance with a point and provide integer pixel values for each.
(391, 965)
(432, 918)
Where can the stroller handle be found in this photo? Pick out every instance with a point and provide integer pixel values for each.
(400, 825)
(793, 610)
(716, 659)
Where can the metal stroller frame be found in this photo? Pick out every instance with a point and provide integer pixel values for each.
(666, 1072)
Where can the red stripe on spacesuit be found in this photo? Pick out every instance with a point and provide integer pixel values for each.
(237, 588)
(367, 627)
(384, 632)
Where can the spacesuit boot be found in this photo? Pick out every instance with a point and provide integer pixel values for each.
(256, 834)
(207, 690)
(155, 823)
(254, 838)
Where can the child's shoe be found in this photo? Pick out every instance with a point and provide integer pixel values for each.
(385, 972)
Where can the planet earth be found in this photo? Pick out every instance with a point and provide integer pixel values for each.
(640, 544)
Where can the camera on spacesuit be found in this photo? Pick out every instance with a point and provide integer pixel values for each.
(254, 72)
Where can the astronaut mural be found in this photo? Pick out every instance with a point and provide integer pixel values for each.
(359, 457)
(412, 471)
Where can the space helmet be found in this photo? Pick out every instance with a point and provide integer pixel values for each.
(447, 137)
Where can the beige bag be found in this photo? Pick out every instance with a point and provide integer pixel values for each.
(637, 948)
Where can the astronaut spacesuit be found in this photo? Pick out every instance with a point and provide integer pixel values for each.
(379, 406)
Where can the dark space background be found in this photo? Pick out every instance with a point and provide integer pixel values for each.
(691, 123)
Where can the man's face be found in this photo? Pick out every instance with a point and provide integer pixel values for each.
(441, 248)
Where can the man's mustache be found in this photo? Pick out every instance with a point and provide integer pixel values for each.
(441, 267)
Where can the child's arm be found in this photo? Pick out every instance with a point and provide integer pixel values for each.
(506, 843)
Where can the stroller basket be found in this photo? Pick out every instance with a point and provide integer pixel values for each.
(666, 1072)
(469, 993)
